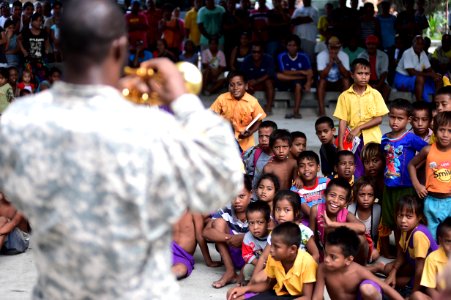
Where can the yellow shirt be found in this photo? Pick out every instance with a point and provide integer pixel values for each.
(434, 265)
(322, 24)
(358, 109)
(291, 283)
(191, 24)
(421, 244)
(240, 113)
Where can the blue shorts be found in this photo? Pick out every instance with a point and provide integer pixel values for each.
(436, 210)
(407, 83)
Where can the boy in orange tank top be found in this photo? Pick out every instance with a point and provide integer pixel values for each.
(437, 190)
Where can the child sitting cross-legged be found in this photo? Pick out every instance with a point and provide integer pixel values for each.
(226, 229)
(343, 277)
(435, 264)
(324, 217)
(291, 272)
(415, 245)
(255, 239)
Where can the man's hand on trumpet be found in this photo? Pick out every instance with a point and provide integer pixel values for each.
(167, 83)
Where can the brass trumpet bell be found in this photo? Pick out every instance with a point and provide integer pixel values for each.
(192, 77)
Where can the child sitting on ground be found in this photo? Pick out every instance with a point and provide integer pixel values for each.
(290, 271)
(313, 190)
(414, 246)
(374, 165)
(255, 240)
(437, 190)
(399, 147)
(299, 143)
(345, 166)
(6, 91)
(360, 108)
(184, 242)
(256, 157)
(324, 217)
(367, 211)
(325, 131)
(435, 264)
(282, 166)
(287, 209)
(226, 229)
(344, 278)
(14, 229)
(267, 188)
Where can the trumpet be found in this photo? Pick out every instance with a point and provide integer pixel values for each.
(192, 77)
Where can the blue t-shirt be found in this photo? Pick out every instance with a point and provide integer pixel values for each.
(251, 71)
(398, 153)
(387, 25)
(300, 62)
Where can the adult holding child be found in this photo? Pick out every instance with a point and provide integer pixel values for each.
(90, 189)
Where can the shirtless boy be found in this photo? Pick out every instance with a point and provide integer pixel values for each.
(344, 278)
(186, 233)
(282, 166)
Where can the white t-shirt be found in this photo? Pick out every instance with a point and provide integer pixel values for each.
(410, 60)
(306, 31)
(322, 60)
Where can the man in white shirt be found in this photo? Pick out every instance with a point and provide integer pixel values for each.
(414, 72)
(333, 70)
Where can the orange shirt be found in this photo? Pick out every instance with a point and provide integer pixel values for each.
(240, 113)
(438, 171)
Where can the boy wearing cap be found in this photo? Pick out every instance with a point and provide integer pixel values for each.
(378, 66)
(333, 70)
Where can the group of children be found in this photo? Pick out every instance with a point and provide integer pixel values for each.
(11, 86)
(290, 228)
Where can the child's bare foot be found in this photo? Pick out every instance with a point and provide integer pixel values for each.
(308, 86)
(226, 279)
(213, 264)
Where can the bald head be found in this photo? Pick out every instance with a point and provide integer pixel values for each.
(88, 29)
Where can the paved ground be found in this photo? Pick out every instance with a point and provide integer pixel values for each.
(19, 274)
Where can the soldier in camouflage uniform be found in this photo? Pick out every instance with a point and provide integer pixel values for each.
(101, 179)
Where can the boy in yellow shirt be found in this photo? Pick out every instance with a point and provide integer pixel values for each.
(360, 108)
(435, 264)
(291, 271)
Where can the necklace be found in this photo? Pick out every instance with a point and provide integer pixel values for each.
(406, 244)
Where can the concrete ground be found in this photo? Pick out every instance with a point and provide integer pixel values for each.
(19, 273)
